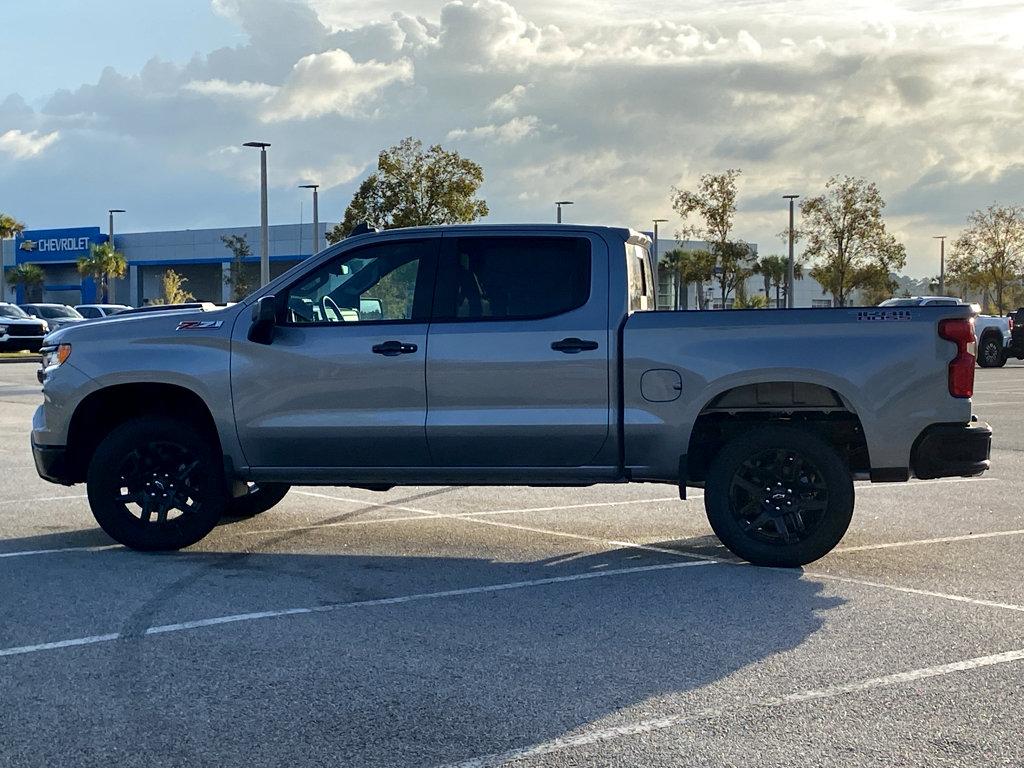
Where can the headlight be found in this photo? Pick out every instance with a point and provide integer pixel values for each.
(46, 326)
(54, 356)
(3, 330)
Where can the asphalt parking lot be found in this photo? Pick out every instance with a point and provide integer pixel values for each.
(598, 626)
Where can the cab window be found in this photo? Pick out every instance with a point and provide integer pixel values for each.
(507, 278)
(385, 282)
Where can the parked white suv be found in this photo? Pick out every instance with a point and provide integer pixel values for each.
(994, 332)
(94, 311)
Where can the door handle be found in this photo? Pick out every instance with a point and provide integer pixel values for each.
(573, 345)
(394, 347)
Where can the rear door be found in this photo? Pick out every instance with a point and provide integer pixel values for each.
(518, 353)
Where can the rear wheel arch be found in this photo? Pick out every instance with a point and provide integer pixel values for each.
(104, 410)
(815, 408)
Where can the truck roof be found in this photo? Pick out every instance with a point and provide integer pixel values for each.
(624, 233)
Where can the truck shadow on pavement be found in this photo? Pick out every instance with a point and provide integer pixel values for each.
(429, 680)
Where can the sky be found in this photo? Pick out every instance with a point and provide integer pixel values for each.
(144, 105)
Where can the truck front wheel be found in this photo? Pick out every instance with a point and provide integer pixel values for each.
(779, 496)
(156, 484)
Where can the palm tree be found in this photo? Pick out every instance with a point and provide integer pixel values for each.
(690, 267)
(102, 263)
(28, 276)
(772, 270)
(9, 228)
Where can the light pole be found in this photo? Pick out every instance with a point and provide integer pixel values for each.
(654, 253)
(558, 209)
(942, 263)
(110, 240)
(789, 264)
(316, 216)
(264, 228)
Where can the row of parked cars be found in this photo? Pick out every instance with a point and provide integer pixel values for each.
(23, 326)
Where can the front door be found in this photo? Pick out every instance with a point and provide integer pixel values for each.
(342, 382)
(517, 360)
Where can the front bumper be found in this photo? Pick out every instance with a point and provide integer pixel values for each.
(51, 463)
(952, 450)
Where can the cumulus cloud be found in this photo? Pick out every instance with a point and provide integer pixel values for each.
(332, 81)
(516, 129)
(605, 102)
(21, 145)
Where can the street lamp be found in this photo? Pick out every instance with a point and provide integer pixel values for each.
(942, 263)
(558, 209)
(789, 264)
(316, 215)
(110, 240)
(264, 228)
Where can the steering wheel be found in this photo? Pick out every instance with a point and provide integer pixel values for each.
(334, 309)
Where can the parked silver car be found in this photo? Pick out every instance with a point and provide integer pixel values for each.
(56, 315)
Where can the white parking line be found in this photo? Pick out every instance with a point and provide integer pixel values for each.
(667, 722)
(365, 503)
(86, 548)
(414, 597)
(932, 541)
(41, 499)
(916, 591)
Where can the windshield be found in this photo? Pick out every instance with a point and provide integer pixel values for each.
(56, 311)
(10, 311)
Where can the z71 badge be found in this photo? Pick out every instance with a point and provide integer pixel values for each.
(191, 325)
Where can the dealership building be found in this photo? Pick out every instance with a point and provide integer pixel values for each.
(199, 256)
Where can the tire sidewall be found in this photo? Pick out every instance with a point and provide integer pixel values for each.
(728, 528)
(104, 482)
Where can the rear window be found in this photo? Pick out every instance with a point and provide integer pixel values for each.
(641, 282)
(90, 312)
(520, 277)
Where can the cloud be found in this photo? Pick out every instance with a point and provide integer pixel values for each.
(604, 102)
(515, 130)
(21, 145)
(322, 83)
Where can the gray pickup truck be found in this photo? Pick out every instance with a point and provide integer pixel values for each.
(504, 355)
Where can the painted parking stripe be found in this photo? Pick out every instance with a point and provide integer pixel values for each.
(415, 597)
(649, 725)
(932, 541)
(916, 591)
(85, 549)
(41, 499)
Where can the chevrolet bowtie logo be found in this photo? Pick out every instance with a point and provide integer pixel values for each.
(28, 245)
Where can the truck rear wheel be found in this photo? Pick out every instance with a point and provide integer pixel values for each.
(156, 484)
(779, 496)
(991, 353)
(261, 497)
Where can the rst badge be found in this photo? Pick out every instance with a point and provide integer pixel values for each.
(874, 315)
(192, 325)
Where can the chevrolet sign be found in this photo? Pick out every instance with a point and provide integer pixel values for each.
(63, 245)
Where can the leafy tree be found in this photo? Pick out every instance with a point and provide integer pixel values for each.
(174, 289)
(242, 277)
(988, 256)
(9, 226)
(708, 213)
(102, 263)
(847, 239)
(690, 267)
(772, 270)
(28, 276)
(415, 187)
(754, 302)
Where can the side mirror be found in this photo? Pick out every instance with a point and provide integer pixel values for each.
(264, 317)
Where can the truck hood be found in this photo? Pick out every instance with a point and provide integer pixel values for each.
(126, 328)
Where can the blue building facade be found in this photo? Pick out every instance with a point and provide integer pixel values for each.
(199, 256)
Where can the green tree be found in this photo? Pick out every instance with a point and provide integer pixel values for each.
(9, 226)
(846, 238)
(412, 187)
(772, 270)
(708, 213)
(29, 276)
(174, 289)
(242, 276)
(988, 255)
(102, 264)
(690, 267)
